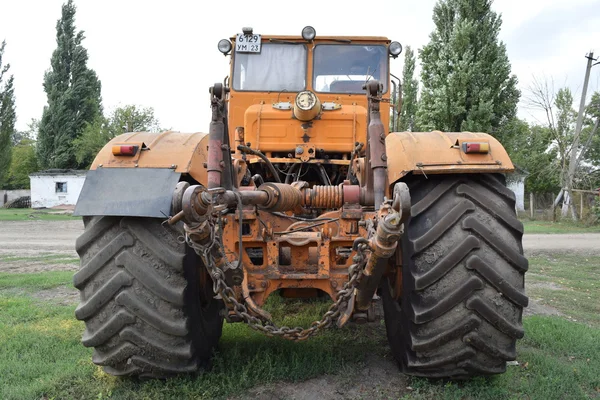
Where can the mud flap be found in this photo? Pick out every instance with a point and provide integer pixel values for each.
(136, 192)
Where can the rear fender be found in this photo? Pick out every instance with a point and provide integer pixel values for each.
(430, 153)
(142, 185)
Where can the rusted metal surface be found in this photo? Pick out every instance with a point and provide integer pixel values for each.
(320, 196)
(305, 152)
(401, 200)
(282, 197)
(203, 237)
(195, 201)
(219, 171)
(383, 245)
(215, 157)
(240, 168)
(239, 138)
(351, 193)
(377, 158)
(318, 258)
(254, 160)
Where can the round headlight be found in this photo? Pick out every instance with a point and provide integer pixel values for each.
(224, 46)
(395, 49)
(306, 100)
(306, 106)
(309, 33)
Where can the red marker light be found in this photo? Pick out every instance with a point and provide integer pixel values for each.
(124, 150)
(476, 147)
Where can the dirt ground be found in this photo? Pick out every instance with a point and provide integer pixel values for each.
(35, 245)
(28, 242)
(31, 246)
(384, 382)
(571, 242)
(30, 238)
(26, 239)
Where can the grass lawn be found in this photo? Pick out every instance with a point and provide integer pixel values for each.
(29, 214)
(569, 283)
(47, 258)
(41, 354)
(558, 227)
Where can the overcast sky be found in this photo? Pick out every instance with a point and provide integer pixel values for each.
(164, 54)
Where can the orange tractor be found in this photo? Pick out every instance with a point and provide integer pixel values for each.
(300, 188)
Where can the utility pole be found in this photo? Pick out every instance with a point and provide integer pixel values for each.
(573, 159)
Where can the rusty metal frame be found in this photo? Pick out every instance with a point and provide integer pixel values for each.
(316, 258)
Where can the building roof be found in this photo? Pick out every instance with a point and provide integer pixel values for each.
(54, 172)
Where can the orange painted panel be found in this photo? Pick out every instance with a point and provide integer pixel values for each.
(184, 152)
(441, 153)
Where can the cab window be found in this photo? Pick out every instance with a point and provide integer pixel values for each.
(346, 68)
(278, 67)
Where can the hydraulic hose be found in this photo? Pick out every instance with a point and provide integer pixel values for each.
(248, 150)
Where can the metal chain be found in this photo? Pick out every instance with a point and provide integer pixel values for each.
(264, 325)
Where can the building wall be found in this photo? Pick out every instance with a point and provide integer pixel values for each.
(518, 187)
(43, 190)
(10, 195)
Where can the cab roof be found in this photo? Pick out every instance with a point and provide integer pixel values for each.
(340, 39)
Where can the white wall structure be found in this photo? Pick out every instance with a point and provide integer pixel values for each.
(53, 188)
(515, 181)
(518, 187)
(10, 195)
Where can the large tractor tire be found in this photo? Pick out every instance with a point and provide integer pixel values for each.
(146, 300)
(459, 312)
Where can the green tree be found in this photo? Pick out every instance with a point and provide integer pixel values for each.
(560, 121)
(24, 158)
(8, 117)
(23, 163)
(31, 133)
(466, 75)
(410, 87)
(132, 118)
(74, 96)
(129, 118)
(530, 148)
(590, 151)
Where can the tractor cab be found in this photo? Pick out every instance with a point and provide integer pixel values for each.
(305, 92)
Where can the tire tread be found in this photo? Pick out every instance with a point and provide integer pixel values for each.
(140, 311)
(463, 279)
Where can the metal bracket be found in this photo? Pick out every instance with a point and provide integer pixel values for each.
(401, 200)
(305, 152)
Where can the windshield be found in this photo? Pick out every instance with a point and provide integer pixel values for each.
(342, 68)
(277, 67)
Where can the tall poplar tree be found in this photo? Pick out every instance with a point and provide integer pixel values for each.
(8, 117)
(466, 77)
(410, 87)
(74, 96)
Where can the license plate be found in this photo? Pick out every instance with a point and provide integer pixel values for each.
(247, 43)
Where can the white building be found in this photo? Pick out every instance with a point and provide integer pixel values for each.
(56, 187)
(516, 183)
